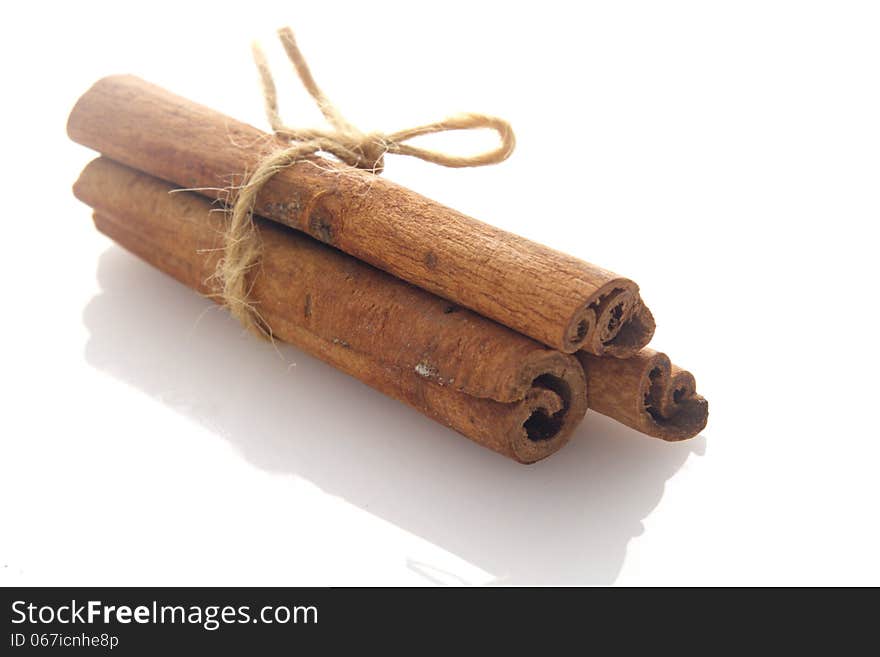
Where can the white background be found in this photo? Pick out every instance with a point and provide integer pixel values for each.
(726, 155)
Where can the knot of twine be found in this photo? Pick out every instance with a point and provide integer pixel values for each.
(241, 247)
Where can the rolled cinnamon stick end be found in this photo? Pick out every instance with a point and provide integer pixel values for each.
(647, 393)
(495, 386)
(554, 298)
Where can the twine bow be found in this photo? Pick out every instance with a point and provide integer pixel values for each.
(345, 142)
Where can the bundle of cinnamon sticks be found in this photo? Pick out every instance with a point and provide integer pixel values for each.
(504, 340)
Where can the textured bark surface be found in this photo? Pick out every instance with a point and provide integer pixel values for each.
(552, 297)
(495, 386)
(648, 393)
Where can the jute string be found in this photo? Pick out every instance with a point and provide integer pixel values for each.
(241, 250)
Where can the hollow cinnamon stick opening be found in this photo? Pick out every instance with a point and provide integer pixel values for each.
(495, 386)
(558, 300)
(648, 393)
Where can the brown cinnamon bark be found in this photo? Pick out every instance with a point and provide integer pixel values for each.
(554, 298)
(648, 393)
(495, 386)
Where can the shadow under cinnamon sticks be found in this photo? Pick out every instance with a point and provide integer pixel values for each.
(563, 520)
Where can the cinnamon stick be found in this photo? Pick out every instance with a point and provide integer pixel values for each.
(552, 297)
(495, 386)
(647, 393)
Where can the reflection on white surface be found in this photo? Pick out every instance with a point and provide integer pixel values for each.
(565, 520)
